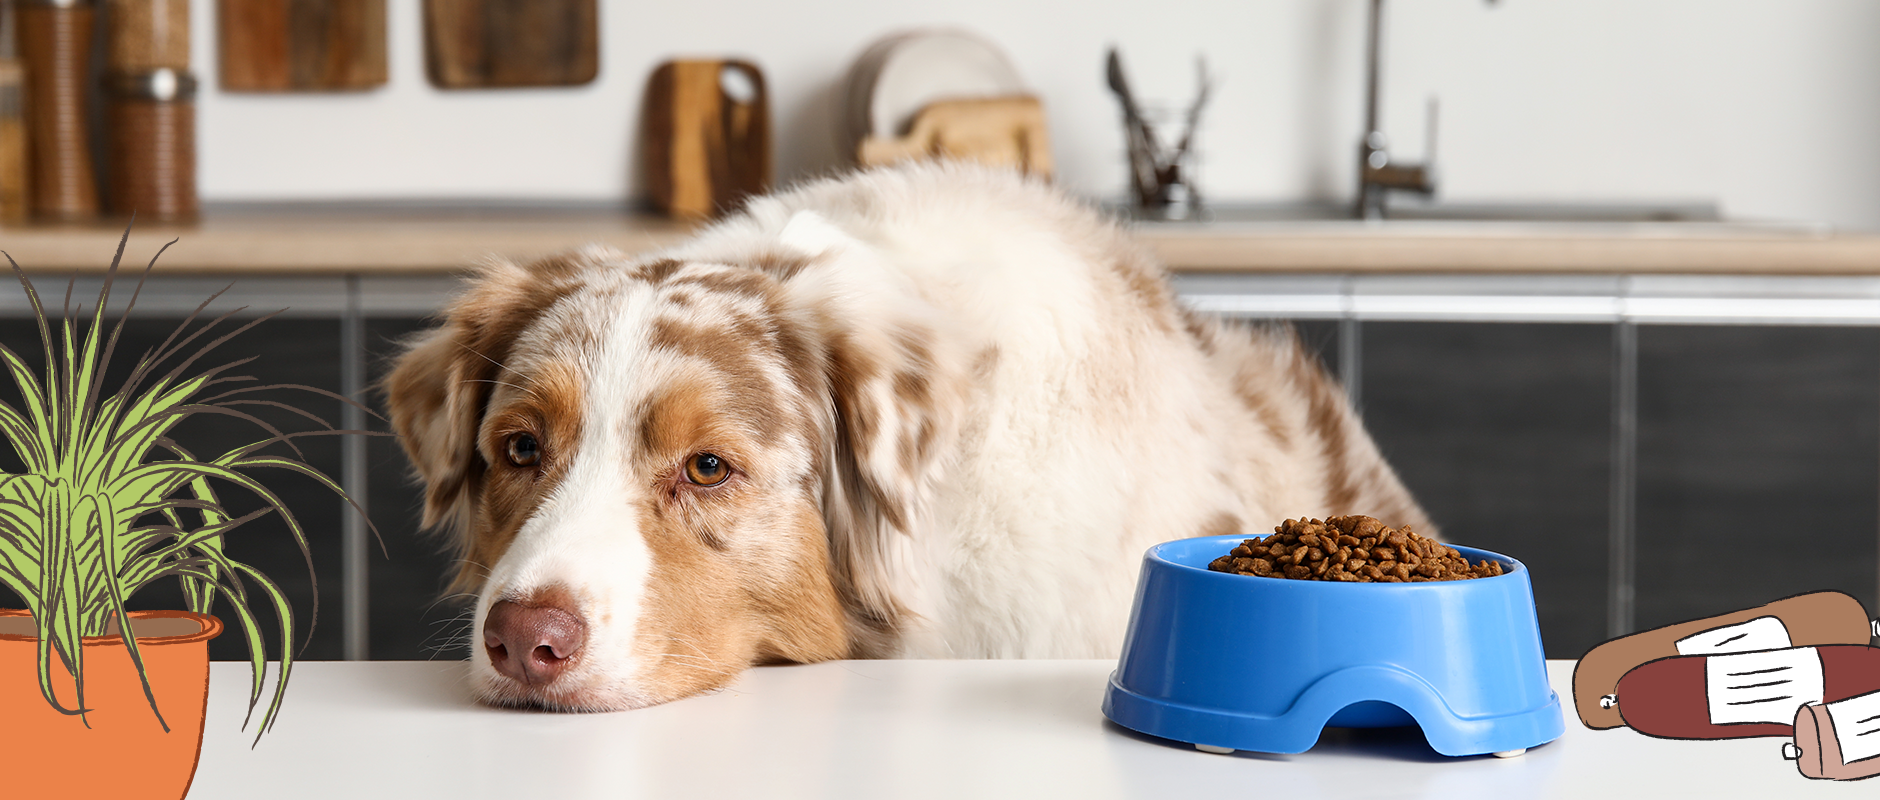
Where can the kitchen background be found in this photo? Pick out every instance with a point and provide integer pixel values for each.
(1755, 450)
(1765, 107)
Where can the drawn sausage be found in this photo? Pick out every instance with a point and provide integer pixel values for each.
(1818, 618)
(1742, 695)
(1831, 739)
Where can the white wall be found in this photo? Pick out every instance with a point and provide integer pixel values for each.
(1769, 107)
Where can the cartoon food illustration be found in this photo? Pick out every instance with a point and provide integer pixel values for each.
(1741, 695)
(1839, 740)
(1817, 618)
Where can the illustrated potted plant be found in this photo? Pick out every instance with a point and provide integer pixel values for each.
(106, 505)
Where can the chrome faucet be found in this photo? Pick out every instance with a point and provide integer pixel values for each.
(1378, 175)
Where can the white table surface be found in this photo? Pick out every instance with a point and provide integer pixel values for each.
(956, 729)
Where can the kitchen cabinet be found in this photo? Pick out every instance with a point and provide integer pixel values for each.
(1758, 466)
(1503, 432)
(411, 618)
(1756, 472)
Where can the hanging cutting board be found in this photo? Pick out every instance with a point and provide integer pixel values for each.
(480, 44)
(301, 45)
(706, 137)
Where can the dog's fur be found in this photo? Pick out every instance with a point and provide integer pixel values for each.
(956, 407)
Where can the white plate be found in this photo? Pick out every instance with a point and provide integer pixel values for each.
(898, 76)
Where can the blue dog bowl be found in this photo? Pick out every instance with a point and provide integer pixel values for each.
(1237, 662)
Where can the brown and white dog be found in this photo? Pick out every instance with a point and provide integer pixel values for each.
(926, 412)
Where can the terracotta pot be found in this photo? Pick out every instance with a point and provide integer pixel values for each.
(124, 752)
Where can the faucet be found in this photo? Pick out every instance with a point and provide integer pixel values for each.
(1377, 173)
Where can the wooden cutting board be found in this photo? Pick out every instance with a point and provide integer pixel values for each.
(477, 44)
(999, 131)
(301, 45)
(706, 137)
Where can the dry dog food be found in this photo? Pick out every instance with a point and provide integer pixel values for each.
(1356, 549)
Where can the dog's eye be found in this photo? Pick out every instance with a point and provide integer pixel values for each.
(706, 469)
(524, 450)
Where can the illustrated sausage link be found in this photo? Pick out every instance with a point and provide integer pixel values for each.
(1681, 697)
(1818, 618)
(1820, 749)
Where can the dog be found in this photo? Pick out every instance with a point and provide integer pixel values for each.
(932, 411)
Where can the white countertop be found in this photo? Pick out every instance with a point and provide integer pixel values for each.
(914, 729)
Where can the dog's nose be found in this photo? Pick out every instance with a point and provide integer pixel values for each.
(532, 644)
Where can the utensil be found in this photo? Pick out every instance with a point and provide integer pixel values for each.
(1142, 143)
(1156, 173)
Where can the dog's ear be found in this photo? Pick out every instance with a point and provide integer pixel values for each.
(896, 383)
(438, 388)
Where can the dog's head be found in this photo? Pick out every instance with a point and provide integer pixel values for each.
(658, 473)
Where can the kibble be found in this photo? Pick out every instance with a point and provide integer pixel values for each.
(1355, 549)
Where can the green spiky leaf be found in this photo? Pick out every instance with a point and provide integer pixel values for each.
(108, 503)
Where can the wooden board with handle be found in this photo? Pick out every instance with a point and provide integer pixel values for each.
(1000, 131)
(707, 136)
(481, 44)
(301, 45)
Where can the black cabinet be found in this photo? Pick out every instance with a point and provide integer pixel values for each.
(1503, 432)
(1756, 474)
(1758, 466)
(412, 618)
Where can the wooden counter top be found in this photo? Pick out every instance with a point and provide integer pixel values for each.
(393, 240)
(319, 240)
(1512, 248)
